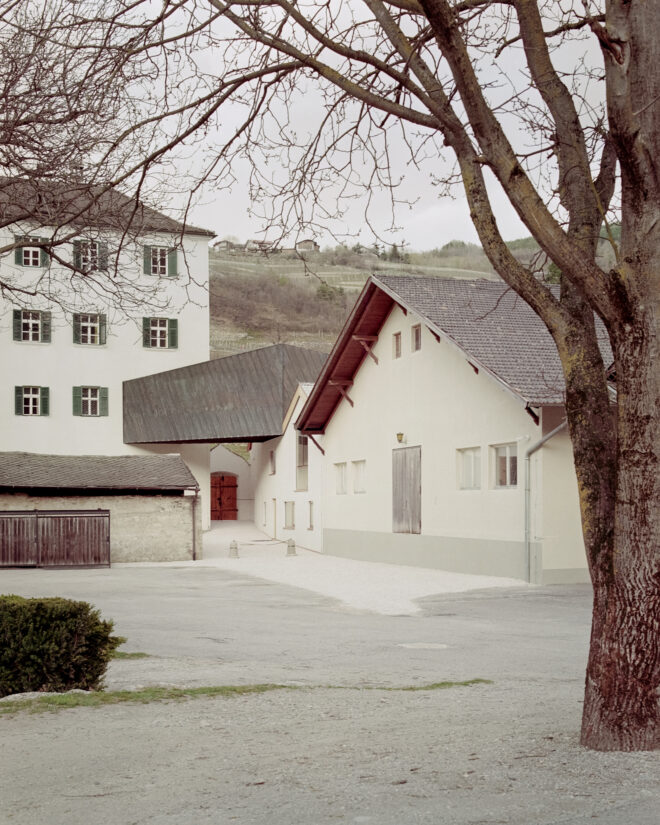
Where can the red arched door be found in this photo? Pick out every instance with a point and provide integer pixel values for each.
(224, 487)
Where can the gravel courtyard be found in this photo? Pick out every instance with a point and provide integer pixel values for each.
(346, 745)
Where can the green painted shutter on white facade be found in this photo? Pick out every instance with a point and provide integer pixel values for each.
(103, 401)
(77, 400)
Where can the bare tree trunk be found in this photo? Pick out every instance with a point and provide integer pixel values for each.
(621, 708)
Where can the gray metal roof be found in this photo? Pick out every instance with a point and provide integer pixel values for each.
(241, 397)
(122, 472)
(495, 327)
(52, 203)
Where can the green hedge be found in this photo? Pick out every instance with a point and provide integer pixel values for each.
(52, 645)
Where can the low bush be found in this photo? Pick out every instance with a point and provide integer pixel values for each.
(52, 645)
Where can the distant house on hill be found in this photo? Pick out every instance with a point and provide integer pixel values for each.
(265, 247)
(307, 245)
(444, 435)
(228, 246)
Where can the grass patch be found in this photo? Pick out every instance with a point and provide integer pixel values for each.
(124, 654)
(61, 701)
(445, 685)
(95, 699)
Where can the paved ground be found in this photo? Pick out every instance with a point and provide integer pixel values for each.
(334, 750)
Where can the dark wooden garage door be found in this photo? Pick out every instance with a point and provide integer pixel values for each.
(55, 538)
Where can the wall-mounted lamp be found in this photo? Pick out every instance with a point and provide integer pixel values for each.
(400, 438)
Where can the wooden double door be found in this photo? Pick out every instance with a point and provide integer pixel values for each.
(224, 489)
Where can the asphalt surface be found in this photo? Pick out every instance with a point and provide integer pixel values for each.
(342, 747)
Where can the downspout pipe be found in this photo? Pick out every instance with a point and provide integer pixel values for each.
(193, 510)
(528, 493)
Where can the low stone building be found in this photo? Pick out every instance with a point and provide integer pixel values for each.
(151, 504)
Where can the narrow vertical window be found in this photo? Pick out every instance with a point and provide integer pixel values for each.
(289, 515)
(90, 401)
(30, 326)
(271, 462)
(396, 345)
(158, 332)
(31, 397)
(310, 525)
(302, 460)
(158, 260)
(359, 473)
(416, 337)
(340, 478)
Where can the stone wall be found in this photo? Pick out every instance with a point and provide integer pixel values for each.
(142, 527)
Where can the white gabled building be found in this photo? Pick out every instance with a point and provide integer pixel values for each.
(103, 294)
(441, 412)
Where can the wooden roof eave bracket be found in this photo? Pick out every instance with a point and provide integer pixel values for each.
(315, 443)
(367, 342)
(342, 386)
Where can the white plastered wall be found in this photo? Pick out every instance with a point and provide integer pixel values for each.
(436, 400)
(564, 556)
(272, 490)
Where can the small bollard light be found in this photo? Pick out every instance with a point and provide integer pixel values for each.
(291, 548)
(233, 550)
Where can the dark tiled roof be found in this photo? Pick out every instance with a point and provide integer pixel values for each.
(50, 203)
(495, 327)
(242, 397)
(124, 472)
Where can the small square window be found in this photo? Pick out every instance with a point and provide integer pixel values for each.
(32, 400)
(469, 468)
(416, 337)
(160, 333)
(506, 465)
(31, 256)
(340, 478)
(396, 345)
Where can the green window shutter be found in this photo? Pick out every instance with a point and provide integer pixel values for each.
(103, 329)
(172, 333)
(44, 257)
(147, 260)
(18, 400)
(146, 332)
(77, 257)
(103, 257)
(18, 252)
(171, 263)
(44, 399)
(17, 324)
(76, 328)
(103, 400)
(77, 400)
(46, 326)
